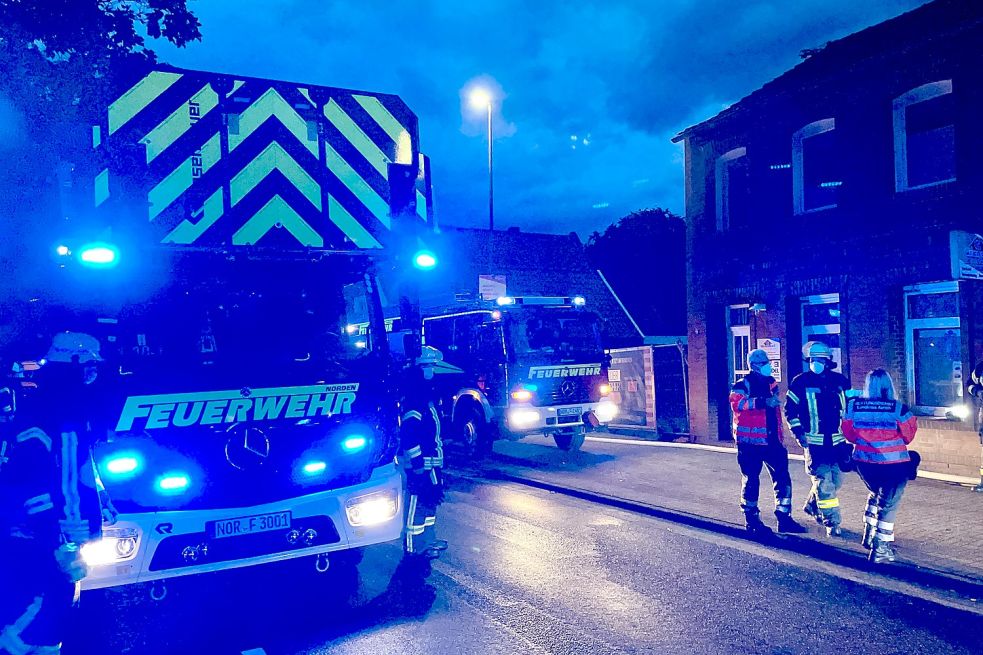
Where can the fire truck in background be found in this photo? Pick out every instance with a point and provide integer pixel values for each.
(216, 240)
(520, 366)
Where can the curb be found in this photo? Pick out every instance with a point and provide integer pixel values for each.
(900, 571)
(928, 475)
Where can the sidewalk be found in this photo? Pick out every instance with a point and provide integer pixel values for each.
(939, 525)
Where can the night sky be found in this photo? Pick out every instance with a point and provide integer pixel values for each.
(589, 92)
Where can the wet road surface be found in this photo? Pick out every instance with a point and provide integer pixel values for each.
(530, 571)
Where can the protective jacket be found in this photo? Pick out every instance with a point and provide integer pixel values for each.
(880, 430)
(755, 424)
(976, 390)
(814, 406)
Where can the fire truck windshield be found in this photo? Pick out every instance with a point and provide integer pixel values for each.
(567, 334)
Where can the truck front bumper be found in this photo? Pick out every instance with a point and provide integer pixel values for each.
(528, 419)
(163, 545)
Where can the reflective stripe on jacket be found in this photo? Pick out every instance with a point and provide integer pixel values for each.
(814, 406)
(880, 430)
(747, 401)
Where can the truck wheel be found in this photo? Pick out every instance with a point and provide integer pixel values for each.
(569, 441)
(473, 433)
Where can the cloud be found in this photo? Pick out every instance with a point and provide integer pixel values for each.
(631, 73)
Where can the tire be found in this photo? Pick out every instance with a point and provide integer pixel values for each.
(472, 431)
(570, 441)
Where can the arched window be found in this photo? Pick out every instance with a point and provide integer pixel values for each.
(816, 177)
(924, 137)
(731, 183)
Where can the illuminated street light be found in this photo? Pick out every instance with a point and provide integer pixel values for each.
(481, 98)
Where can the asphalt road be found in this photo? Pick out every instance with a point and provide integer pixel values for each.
(529, 571)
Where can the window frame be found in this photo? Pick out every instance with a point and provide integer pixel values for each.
(824, 328)
(899, 108)
(912, 325)
(742, 330)
(722, 185)
(812, 129)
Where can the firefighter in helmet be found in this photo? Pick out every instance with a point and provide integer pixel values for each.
(48, 508)
(422, 454)
(814, 407)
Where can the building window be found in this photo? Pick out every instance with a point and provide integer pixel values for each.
(739, 345)
(924, 137)
(933, 346)
(816, 178)
(731, 177)
(821, 322)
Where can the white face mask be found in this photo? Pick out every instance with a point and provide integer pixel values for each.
(817, 367)
(765, 370)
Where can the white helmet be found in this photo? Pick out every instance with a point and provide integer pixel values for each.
(816, 350)
(429, 356)
(69, 347)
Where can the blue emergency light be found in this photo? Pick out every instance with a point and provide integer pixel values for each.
(424, 260)
(315, 467)
(121, 465)
(99, 255)
(173, 483)
(354, 443)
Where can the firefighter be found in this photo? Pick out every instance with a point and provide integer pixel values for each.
(814, 406)
(47, 514)
(976, 390)
(422, 454)
(756, 405)
(881, 429)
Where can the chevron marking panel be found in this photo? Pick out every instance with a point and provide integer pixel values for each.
(242, 161)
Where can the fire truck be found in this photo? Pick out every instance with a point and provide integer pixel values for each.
(221, 236)
(520, 366)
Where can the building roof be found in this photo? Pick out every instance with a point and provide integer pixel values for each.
(533, 264)
(932, 20)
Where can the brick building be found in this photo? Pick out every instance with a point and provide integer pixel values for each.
(841, 202)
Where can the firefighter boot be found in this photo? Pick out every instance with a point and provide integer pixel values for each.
(834, 531)
(789, 525)
(881, 552)
(752, 521)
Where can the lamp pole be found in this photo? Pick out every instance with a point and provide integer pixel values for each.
(491, 179)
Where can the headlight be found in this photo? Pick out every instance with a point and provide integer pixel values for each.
(606, 411)
(604, 389)
(372, 509)
(116, 545)
(523, 417)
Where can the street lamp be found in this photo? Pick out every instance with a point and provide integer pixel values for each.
(481, 98)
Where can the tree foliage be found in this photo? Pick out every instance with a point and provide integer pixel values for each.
(59, 60)
(643, 257)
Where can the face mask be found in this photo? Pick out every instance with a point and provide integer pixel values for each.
(817, 367)
(428, 372)
(765, 370)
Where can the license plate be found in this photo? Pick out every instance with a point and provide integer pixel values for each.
(569, 411)
(248, 525)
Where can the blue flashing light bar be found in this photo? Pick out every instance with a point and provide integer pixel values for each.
(122, 465)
